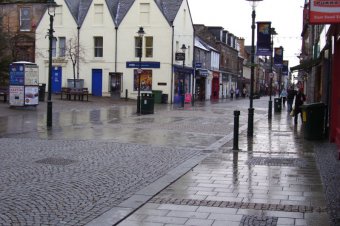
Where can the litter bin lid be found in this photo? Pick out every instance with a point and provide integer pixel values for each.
(313, 105)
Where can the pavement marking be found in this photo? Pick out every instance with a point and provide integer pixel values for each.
(240, 205)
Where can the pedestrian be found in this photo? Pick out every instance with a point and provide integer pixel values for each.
(290, 98)
(231, 93)
(244, 92)
(237, 92)
(300, 98)
(283, 96)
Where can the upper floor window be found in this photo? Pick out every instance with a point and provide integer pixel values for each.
(54, 47)
(25, 19)
(138, 47)
(145, 13)
(98, 14)
(98, 46)
(62, 46)
(148, 46)
(58, 18)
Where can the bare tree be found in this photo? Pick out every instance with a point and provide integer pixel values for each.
(75, 53)
(5, 54)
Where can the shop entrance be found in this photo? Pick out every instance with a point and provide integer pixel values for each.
(115, 84)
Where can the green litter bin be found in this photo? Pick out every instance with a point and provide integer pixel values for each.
(313, 117)
(147, 104)
(277, 104)
(157, 96)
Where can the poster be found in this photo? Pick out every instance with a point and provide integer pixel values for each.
(16, 74)
(31, 75)
(278, 57)
(264, 47)
(16, 95)
(31, 95)
(145, 80)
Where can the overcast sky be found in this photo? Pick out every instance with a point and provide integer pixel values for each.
(235, 16)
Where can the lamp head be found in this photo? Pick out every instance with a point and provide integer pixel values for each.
(51, 6)
(183, 48)
(254, 3)
(141, 32)
(272, 31)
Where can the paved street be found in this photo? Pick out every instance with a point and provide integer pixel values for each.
(100, 162)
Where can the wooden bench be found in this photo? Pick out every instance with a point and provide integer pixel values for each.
(4, 93)
(77, 93)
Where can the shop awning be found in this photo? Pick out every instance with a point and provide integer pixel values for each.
(202, 73)
(307, 64)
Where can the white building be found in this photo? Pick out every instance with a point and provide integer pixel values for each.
(106, 31)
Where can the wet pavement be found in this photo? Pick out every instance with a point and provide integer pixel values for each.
(102, 164)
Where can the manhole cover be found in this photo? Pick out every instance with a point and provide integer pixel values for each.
(56, 161)
(258, 220)
(296, 162)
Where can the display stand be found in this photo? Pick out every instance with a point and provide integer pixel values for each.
(23, 84)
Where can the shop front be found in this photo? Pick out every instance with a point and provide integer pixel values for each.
(201, 81)
(215, 86)
(182, 85)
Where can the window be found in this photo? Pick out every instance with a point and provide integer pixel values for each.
(98, 46)
(62, 46)
(54, 47)
(98, 13)
(148, 46)
(145, 13)
(25, 19)
(58, 18)
(138, 50)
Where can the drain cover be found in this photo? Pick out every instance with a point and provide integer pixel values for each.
(56, 161)
(296, 162)
(258, 220)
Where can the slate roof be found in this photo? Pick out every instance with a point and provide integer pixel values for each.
(79, 9)
(169, 8)
(119, 8)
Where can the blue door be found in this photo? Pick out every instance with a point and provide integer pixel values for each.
(97, 78)
(56, 79)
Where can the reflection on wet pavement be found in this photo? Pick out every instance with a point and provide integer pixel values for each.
(198, 126)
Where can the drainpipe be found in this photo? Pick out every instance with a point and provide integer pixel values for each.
(172, 63)
(116, 44)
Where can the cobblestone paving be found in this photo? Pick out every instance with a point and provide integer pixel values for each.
(59, 182)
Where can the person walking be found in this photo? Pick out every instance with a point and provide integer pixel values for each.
(300, 98)
(232, 93)
(290, 98)
(283, 95)
(244, 92)
(237, 92)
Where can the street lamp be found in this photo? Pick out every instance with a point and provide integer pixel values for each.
(51, 12)
(270, 107)
(183, 48)
(140, 52)
(250, 131)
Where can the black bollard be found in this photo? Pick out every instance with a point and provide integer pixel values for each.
(126, 94)
(236, 129)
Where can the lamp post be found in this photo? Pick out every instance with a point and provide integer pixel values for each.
(183, 48)
(270, 107)
(139, 71)
(51, 12)
(250, 131)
